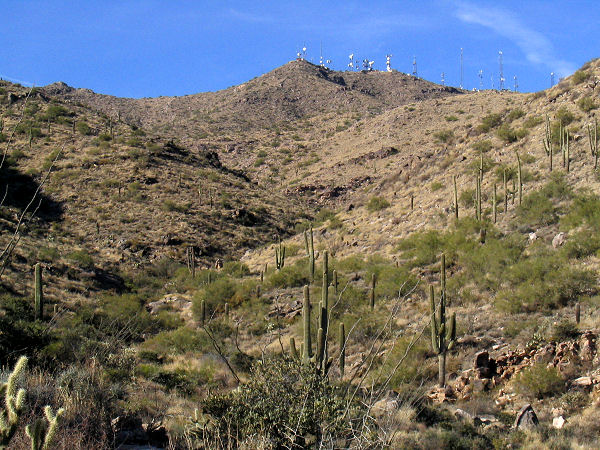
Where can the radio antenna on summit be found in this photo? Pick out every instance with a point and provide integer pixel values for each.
(501, 70)
(480, 79)
(321, 55)
(461, 68)
(414, 66)
(443, 79)
(388, 64)
(551, 79)
(304, 52)
(351, 63)
(516, 83)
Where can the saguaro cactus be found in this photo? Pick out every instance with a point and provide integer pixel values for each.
(202, 312)
(455, 198)
(593, 140)
(548, 142)
(519, 178)
(307, 344)
(310, 251)
(279, 256)
(372, 291)
(443, 335)
(39, 293)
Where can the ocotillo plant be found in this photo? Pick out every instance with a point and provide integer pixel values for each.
(310, 251)
(372, 292)
(443, 336)
(593, 140)
(39, 293)
(13, 403)
(279, 256)
(548, 142)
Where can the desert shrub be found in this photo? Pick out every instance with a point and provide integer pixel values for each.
(467, 198)
(564, 330)
(48, 254)
(281, 395)
(483, 146)
(177, 342)
(236, 268)
(391, 281)
(509, 134)
(579, 77)
(539, 381)
(83, 128)
(488, 164)
(451, 118)
(291, 276)
(82, 258)
(352, 263)
(324, 215)
(586, 104)
(585, 209)
(542, 279)
(377, 204)
(436, 186)
(489, 122)
(537, 210)
(515, 114)
(170, 205)
(533, 121)
(581, 244)
(444, 136)
(215, 295)
(564, 116)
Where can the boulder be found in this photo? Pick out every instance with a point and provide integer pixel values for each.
(526, 418)
(485, 367)
(559, 422)
(559, 240)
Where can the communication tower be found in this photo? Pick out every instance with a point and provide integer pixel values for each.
(480, 79)
(516, 83)
(501, 70)
(414, 66)
(443, 79)
(551, 79)
(461, 68)
(388, 63)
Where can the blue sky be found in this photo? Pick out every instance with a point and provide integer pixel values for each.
(135, 48)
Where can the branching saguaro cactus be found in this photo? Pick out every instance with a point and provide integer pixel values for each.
(310, 251)
(42, 432)
(593, 140)
(279, 256)
(39, 293)
(13, 403)
(443, 335)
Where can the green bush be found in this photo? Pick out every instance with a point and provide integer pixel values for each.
(377, 204)
(539, 381)
(579, 77)
(436, 186)
(215, 295)
(586, 104)
(82, 258)
(83, 128)
(564, 330)
(444, 136)
(483, 146)
(509, 135)
(515, 114)
(177, 342)
(290, 276)
(489, 122)
(281, 395)
(533, 121)
(537, 210)
(564, 116)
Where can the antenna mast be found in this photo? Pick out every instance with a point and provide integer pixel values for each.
(480, 79)
(414, 66)
(501, 70)
(551, 79)
(388, 64)
(443, 79)
(351, 63)
(461, 68)
(321, 55)
(516, 84)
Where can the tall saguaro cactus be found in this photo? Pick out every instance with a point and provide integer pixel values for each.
(310, 251)
(593, 140)
(443, 334)
(39, 293)
(548, 142)
(372, 292)
(307, 344)
(342, 349)
(279, 256)
(455, 198)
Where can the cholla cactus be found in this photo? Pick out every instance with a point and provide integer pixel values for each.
(13, 403)
(42, 432)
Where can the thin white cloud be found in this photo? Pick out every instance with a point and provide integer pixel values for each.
(537, 48)
(15, 80)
